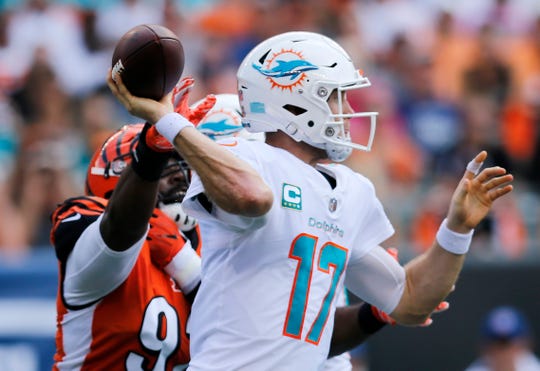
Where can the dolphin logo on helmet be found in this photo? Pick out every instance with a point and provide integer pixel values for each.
(292, 68)
(224, 120)
(222, 127)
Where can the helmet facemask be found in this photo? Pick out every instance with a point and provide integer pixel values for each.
(110, 160)
(177, 167)
(336, 130)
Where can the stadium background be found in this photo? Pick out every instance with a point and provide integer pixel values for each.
(449, 78)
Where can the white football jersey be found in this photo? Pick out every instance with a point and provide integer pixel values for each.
(267, 298)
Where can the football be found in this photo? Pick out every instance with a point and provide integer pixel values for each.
(150, 59)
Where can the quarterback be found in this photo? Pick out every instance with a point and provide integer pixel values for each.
(271, 277)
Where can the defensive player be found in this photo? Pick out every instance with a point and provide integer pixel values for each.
(284, 231)
(117, 306)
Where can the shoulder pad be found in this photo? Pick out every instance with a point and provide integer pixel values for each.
(70, 219)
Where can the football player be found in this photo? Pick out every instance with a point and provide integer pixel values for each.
(117, 305)
(224, 121)
(286, 226)
(128, 258)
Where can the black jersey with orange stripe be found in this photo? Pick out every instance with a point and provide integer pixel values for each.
(70, 219)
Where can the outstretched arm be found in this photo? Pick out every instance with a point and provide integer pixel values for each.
(126, 217)
(431, 276)
(354, 324)
(228, 181)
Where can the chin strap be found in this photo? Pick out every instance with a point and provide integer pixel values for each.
(337, 153)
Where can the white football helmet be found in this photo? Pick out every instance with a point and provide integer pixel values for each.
(284, 84)
(225, 120)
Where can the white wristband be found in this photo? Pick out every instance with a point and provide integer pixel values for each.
(185, 268)
(456, 243)
(171, 124)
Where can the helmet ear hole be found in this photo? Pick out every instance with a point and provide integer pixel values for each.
(295, 110)
(310, 124)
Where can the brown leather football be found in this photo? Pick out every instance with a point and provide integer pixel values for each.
(150, 59)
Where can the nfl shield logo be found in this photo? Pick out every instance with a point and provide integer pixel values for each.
(332, 205)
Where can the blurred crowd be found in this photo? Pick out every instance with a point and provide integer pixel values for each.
(449, 78)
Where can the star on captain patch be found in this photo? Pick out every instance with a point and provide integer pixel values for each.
(332, 205)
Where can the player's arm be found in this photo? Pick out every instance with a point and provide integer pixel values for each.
(228, 181)
(430, 276)
(99, 255)
(411, 293)
(89, 268)
(125, 220)
(353, 324)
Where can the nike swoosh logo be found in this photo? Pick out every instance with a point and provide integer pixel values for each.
(72, 218)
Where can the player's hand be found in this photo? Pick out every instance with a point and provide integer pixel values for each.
(147, 109)
(384, 317)
(156, 141)
(164, 239)
(180, 98)
(183, 221)
(475, 194)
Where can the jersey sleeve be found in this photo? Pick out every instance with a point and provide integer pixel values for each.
(372, 274)
(376, 278)
(93, 269)
(89, 268)
(373, 227)
(70, 220)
